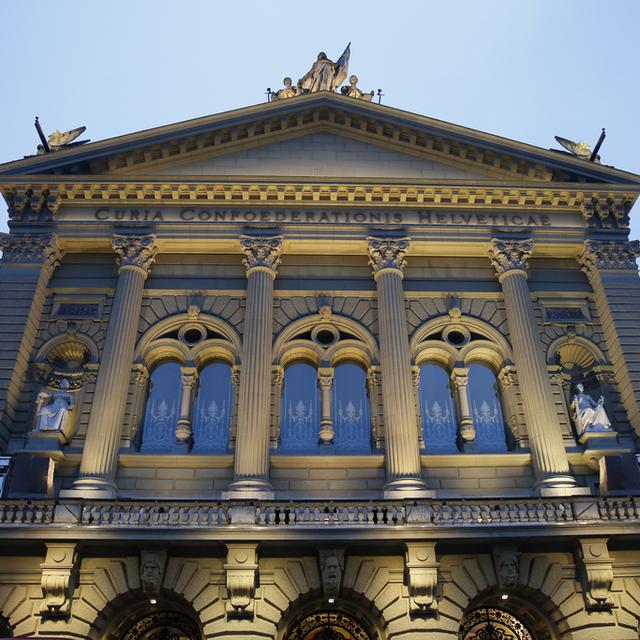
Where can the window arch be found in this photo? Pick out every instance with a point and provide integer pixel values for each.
(351, 414)
(486, 408)
(212, 408)
(491, 622)
(437, 408)
(300, 416)
(162, 408)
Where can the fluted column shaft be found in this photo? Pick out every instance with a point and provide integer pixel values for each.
(251, 464)
(550, 461)
(100, 454)
(402, 454)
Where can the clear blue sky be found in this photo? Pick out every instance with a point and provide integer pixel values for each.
(526, 70)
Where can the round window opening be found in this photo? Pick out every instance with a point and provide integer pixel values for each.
(456, 338)
(192, 335)
(325, 335)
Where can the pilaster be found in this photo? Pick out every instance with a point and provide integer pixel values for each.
(28, 261)
(613, 273)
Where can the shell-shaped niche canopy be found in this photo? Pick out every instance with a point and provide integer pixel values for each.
(575, 356)
(68, 356)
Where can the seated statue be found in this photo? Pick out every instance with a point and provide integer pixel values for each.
(288, 91)
(55, 416)
(353, 91)
(587, 414)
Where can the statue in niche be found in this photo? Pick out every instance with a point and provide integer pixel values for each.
(352, 91)
(55, 415)
(587, 414)
(288, 91)
(326, 75)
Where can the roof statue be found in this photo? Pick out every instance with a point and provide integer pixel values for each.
(324, 75)
(57, 140)
(581, 149)
(353, 92)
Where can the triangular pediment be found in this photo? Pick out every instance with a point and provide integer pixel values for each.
(324, 135)
(322, 154)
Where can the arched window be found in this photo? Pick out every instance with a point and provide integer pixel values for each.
(490, 622)
(212, 409)
(162, 409)
(300, 414)
(485, 409)
(6, 630)
(439, 420)
(351, 416)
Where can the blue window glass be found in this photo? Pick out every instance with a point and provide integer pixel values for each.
(351, 418)
(300, 414)
(439, 420)
(485, 409)
(212, 409)
(163, 407)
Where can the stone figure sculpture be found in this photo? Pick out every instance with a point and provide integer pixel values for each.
(352, 91)
(587, 414)
(55, 416)
(331, 567)
(288, 91)
(326, 75)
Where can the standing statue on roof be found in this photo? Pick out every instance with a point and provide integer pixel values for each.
(326, 75)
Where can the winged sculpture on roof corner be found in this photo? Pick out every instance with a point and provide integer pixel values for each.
(324, 75)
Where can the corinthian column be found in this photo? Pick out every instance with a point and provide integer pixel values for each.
(402, 454)
(613, 273)
(251, 464)
(510, 260)
(99, 462)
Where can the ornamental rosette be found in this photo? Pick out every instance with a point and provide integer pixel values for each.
(598, 255)
(510, 255)
(27, 248)
(261, 253)
(135, 251)
(387, 253)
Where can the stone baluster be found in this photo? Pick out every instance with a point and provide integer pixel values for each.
(551, 466)
(189, 378)
(28, 262)
(613, 273)
(99, 462)
(325, 381)
(402, 455)
(460, 379)
(251, 465)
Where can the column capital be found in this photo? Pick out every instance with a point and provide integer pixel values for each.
(27, 248)
(460, 377)
(261, 253)
(325, 376)
(135, 251)
(510, 255)
(597, 255)
(387, 253)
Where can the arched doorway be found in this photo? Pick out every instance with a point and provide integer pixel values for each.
(491, 623)
(161, 625)
(328, 625)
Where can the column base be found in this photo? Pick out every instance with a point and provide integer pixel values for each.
(249, 489)
(402, 488)
(91, 488)
(559, 486)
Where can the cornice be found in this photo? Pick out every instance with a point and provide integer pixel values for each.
(605, 202)
(379, 124)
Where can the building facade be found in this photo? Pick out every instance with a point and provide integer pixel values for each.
(319, 368)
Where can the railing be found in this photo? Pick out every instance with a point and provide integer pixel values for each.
(308, 514)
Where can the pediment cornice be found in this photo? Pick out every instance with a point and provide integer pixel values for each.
(141, 152)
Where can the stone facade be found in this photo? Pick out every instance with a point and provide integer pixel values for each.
(323, 357)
